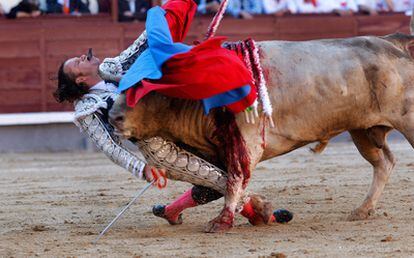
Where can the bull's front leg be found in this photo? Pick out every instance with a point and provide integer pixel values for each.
(234, 192)
(244, 149)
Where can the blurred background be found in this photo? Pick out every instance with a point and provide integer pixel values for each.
(36, 36)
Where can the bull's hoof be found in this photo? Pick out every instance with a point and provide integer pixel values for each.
(257, 210)
(360, 214)
(216, 226)
(263, 209)
(223, 223)
(159, 211)
(263, 214)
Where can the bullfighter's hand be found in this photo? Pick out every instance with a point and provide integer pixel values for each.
(149, 173)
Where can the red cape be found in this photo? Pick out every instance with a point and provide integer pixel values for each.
(206, 70)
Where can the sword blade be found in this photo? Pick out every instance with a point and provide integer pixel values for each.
(139, 194)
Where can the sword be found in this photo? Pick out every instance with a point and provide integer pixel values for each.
(139, 194)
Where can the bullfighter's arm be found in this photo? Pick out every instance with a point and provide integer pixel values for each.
(90, 117)
(179, 14)
(112, 69)
(179, 164)
(182, 165)
(110, 144)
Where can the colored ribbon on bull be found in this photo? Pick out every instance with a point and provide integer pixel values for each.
(230, 89)
(211, 31)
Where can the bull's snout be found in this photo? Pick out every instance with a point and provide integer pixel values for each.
(117, 114)
(116, 119)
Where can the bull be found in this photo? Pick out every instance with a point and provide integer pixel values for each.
(319, 89)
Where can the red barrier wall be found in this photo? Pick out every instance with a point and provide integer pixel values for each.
(31, 50)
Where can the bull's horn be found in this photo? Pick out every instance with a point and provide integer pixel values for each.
(412, 23)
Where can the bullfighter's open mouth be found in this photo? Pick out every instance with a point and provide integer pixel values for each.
(89, 55)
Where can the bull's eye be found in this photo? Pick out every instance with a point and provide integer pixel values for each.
(119, 119)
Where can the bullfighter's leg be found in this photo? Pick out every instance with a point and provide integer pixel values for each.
(373, 147)
(198, 195)
(255, 210)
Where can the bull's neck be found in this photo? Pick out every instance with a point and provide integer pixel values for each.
(184, 121)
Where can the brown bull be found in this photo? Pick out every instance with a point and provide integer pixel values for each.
(319, 89)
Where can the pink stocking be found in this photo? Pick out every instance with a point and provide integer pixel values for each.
(183, 202)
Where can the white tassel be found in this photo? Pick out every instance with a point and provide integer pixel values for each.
(217, 19)
(272, 124)
(256, 108)
(246, 115)
(251, 114)
(263, 93)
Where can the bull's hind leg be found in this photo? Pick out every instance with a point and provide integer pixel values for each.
(373, 147)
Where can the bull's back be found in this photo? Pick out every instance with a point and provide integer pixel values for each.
(321, 88)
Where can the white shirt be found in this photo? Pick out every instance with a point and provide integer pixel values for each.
(94, 6)
(9, 4)
(345, 5)
(132, 6)
(274, 6)
(43, 5)
(402, 5)
(301, 7)
(373, 4)
(322, 6)
(104, 86)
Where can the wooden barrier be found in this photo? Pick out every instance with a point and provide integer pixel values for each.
(31, 50)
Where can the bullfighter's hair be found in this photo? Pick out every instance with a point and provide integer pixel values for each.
(234, 146)
(68, 89)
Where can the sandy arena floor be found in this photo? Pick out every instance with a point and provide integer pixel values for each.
(55, 204)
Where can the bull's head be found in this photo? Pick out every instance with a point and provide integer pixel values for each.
(117, 115)
(140, 122)
(402, 41)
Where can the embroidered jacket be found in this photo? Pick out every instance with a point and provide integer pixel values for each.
(91, 116)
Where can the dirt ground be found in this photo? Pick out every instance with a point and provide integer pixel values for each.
(54, 205)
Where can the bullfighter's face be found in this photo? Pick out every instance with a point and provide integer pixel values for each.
(83, 69)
